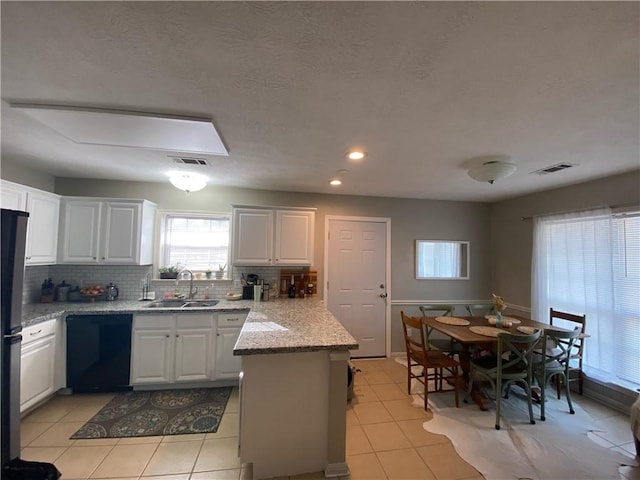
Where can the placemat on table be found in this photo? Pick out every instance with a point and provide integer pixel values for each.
(526, 330)
(452, 321)
(514, 321)
(487, 331)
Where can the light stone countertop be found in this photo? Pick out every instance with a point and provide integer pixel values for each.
(280, 326)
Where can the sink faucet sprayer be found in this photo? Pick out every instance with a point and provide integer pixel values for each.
(192, 291)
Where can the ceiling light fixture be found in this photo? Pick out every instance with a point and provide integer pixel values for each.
(120, 128)
(356, 155)
(491, 171)
(189, 182)
(335, 182)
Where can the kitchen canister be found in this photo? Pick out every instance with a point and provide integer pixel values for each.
(257, 293)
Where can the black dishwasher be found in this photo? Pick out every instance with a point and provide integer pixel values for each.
(98, 352)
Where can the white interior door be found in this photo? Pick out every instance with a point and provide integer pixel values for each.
(356, 281)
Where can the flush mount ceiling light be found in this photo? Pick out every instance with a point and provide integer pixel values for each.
(356, 154)
(492, 170)
(117, 128)
(335, 182)
(189, 182)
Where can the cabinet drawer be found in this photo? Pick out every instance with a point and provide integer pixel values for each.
(231, 319)
(153, 321)
(38, 331)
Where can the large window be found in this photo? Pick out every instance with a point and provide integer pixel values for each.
(589, 262)
(195, 241)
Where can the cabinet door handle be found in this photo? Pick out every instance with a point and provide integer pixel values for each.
(168, 336)
(217, 334)
(94, 258)
(177, 335)
(35, 333)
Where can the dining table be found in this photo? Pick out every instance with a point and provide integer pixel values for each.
(477, 333)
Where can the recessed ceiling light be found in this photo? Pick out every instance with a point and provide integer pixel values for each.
(335, 182)
(356, 155)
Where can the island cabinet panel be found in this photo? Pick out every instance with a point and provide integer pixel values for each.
(106, 231)
(173, 348)
(295, 387)
(263, 236)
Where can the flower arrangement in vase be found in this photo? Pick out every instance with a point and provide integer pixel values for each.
(500, 305)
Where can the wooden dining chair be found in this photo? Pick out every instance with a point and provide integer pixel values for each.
(446, 345)
(436, 365)
(502, 372)
(577, 350)
(558, 346)
(480, 309)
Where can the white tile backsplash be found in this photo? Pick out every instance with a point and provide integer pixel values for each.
(129, 278)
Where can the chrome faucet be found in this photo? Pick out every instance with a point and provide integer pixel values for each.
(192, 291)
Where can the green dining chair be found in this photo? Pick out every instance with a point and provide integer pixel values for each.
(481, 309)
(446, 345)
(502, 372)
(556, 362)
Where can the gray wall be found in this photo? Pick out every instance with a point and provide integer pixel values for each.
(512, 237)
(18, 173)
(410, 220)
(501, 242)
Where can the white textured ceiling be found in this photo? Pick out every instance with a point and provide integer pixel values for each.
(424, 87)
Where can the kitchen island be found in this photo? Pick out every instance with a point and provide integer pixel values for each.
(293, 393)
(293, 386)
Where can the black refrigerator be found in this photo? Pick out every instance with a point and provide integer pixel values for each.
(13, 231)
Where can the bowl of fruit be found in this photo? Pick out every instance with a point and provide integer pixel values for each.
(92, 293)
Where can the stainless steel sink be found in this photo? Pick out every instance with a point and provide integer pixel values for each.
(182, 304)
(200, 303)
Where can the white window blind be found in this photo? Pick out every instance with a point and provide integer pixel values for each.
(197, 242)
(588, 263)
(626, 291)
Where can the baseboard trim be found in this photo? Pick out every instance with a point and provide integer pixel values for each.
(333, 470)
(612, 396)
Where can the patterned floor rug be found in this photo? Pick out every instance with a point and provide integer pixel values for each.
(165, 412)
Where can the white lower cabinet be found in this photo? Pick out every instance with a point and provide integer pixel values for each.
(38, 363)
(185, 347)
(171, 348)
(229, 325)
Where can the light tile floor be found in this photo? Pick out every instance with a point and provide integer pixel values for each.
(385, 439)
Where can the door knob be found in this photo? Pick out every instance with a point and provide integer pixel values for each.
(383, 295)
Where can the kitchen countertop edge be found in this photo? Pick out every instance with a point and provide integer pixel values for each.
(281, 326)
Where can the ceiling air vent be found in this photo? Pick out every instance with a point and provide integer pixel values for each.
(190, 161)
(554, 168)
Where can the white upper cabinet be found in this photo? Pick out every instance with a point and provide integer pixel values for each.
(42, 227)
(13, 196)
(294, 237)
(106, 231)
(263, 236)
(252, 236)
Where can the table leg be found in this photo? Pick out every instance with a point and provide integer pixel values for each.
(476, 394)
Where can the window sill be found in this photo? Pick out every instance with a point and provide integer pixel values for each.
(203, 281)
